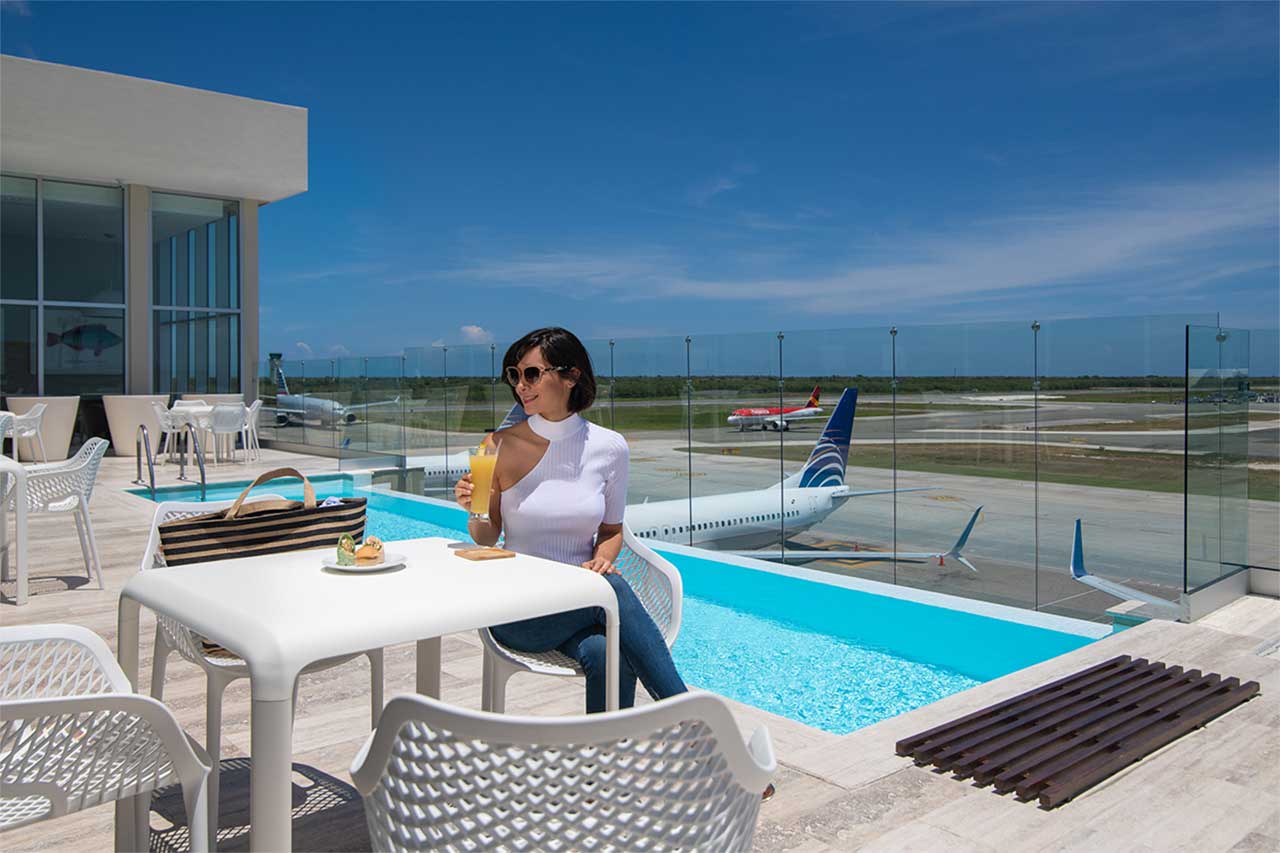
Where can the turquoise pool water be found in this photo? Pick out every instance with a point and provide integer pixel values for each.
(834, 658)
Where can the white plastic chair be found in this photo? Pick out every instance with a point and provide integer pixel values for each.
(75, 735)
(28, 426)
(226, 423)
(190, 404)
(220, 666)
(6, 427)
(251, 419)
(66, 487)
(674, 775)
(171, 427)
(656, 583)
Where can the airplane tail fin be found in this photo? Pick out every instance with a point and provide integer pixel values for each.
(956, 552)
(514, 416)
(282, 387)
(1077, 554)
(812, 402)
(830, 455)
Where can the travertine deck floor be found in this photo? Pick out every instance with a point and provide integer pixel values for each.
(1217, 789)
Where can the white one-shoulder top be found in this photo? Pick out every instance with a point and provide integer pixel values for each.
(578, 484)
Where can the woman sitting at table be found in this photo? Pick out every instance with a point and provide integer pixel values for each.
(559, 492)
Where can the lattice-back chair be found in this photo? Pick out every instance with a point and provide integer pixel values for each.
(171, 427)
(66, 487)
(673, 775)
(656, 583)
(6, 428)
(73, 734)
(220, 666)
(30, 426)
(226, 422)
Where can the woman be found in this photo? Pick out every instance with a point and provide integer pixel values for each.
(559, 492)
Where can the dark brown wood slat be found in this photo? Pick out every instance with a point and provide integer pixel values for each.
(1077, 740)
(1206, 687)
(1055, 730)
(1058, 740)
(1084, 778)
(907, 745)
(968, 753)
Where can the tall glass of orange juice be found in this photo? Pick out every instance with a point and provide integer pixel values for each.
(484, 459)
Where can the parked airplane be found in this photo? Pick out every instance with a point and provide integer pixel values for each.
(1124, 592)
(750, 520)
(776, 418)
(300, 408)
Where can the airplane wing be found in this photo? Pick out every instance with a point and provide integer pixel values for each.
(805, 555)
(380, 405)
(849, 493)
(1119, 590)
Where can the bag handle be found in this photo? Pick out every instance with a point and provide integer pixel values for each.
(308, 493)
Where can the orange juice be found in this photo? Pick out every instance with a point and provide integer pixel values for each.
(483, 462)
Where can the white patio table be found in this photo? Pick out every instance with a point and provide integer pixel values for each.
(19, 473)
(282, 612)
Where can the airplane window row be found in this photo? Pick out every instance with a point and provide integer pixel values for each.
(707, 525)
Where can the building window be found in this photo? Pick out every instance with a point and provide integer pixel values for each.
(195, 257)
(62, 293)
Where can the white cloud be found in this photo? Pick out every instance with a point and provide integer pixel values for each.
(17, 7)
(1163, 231)
(704, 192)
(304, 349)
(476, 335)
(339, 351)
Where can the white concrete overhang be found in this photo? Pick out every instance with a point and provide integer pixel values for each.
(65, 122)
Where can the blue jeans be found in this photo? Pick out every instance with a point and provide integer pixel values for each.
(579, 634)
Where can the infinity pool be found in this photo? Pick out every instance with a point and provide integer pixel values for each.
(833, 653)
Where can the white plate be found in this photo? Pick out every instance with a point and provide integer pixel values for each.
(389, 561)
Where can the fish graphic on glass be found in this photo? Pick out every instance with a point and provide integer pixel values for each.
(92, 337)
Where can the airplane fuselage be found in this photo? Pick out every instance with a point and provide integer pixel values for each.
(738, 520)
(299, 408)
(765, 418)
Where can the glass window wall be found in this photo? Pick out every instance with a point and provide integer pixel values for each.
(196, 352)
(18, 238)
(83, 243)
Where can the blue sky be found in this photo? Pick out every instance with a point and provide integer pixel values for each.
(630, 170)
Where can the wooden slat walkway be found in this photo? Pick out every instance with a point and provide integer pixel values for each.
(1062, 738)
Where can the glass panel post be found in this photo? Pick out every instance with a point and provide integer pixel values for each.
(893, 438)
(1035, 456)
(782, 464)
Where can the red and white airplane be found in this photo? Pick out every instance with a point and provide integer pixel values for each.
(776, 418)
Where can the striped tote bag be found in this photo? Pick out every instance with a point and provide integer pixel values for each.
(262, 527)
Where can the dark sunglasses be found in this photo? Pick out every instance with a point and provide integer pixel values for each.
(532, 375)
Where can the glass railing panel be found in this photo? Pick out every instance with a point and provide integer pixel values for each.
(964, 439)
(382, 413)
(1217, 440)
(475, 410)
(425, 403)
(738, 436)
(1264, 448)
(1110, 454)
(650, 412)
(603, 411)
(278, 404)
(860, 515)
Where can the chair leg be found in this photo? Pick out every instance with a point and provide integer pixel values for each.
(142, 821)
(84, 546)
(93, 544)
(195, 795)
(44, 457)
(159, 662)
(486, 681)
(375, 686)
(214, 687)
(500, 674)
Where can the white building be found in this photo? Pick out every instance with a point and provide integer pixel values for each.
(129, 231)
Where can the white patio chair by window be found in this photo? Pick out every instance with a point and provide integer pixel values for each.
(75, 734)
(656, 582)
(171, 427)
(220, 666)
(66, 487)
(226, 423)
(251, 419)
(6, 428)
(27, 427)
(674, 775)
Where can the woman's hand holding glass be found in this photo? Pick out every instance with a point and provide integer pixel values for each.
(462, 492)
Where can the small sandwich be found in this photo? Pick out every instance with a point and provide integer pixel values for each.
(346, 550)
(370, 553)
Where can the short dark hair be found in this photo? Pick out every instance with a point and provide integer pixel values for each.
(561, 348)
